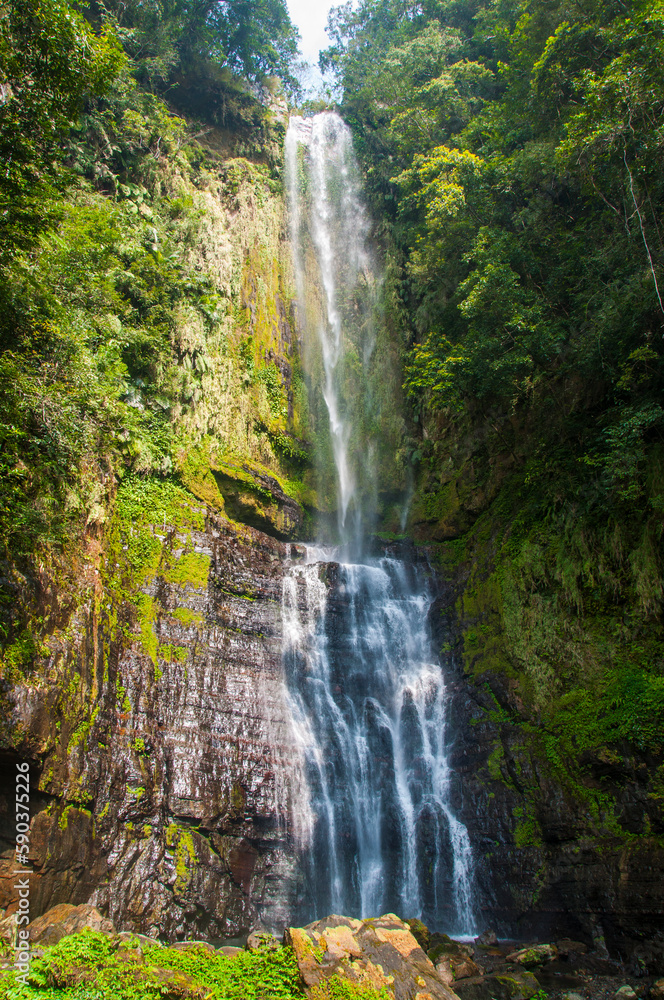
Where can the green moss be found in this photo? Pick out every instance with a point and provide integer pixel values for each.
(174, 654)
(527, 832)
(147, 616)
(181, 839)
(81, 732)
(188, 617)
(495, 761)
(338, 988)
(90, 963)
(192, 569)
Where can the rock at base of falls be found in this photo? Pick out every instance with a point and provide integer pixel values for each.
(381, 951)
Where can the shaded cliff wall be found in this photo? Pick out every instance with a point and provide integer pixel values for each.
(553, 653)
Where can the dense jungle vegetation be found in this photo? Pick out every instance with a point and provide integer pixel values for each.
(106, 313)
(514, 151)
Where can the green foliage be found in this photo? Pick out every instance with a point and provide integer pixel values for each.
(50, 63)
(92, 966)
(252, 38)
(525, 206)
(337, 988)
(515, 153)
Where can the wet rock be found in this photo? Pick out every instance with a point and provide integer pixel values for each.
(260, 940)
(487, 939)
(656, 991)
(536, 954)
(187, 774)
(517, 984)
(567, 947)
(452, 959)
(65, 919)
(380, 951)
(625, 993)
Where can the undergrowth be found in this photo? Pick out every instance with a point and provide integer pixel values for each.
(92, 966)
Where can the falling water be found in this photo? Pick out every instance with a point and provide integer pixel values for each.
(366, 693)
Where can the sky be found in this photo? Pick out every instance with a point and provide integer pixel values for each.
(310, 16)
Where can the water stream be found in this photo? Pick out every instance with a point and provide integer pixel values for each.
(366, 692)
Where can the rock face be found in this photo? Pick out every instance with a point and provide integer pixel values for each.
(381, 951)
(545, 866)
(164, 797)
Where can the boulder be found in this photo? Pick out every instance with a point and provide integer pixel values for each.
(567, 947)
(625, 993)
(452, 968)
(420, 932)
(381, 951)
(453, 959)
(128, 938)
(260, 939)
(656, 991)
(229, 950)
(536, 954)
(65, 919)
(487, 939)
(517, 984)
(572, 996)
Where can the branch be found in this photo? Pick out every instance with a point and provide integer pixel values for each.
(645, 242)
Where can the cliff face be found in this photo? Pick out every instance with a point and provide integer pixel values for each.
(162, 756)
(553, 665)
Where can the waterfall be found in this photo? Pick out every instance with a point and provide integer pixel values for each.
(366, 692)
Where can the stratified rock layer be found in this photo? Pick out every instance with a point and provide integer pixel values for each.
(165, 797)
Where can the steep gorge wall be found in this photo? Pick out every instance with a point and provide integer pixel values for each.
(558, 767)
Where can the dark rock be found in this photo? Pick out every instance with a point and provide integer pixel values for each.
(534, 954)
(488, 939)
(567, 947)
(188, 773)
(515, 985)
(656, 991)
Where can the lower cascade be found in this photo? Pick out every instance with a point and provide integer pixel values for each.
(370, 712)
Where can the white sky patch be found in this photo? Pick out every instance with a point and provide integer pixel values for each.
(310, 16)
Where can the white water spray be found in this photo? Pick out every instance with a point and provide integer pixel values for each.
(367, 697)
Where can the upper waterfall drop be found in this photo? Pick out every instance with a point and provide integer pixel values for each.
(335, 226)
(366, 692)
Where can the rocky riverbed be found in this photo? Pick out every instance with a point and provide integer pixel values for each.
(382, 953)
